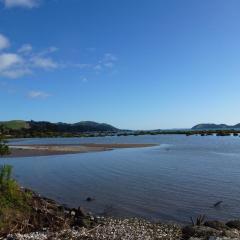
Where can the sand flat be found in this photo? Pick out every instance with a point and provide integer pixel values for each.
(47, 150)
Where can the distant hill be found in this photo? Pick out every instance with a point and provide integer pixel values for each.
(85, 126)
(212, 126)
(15, 124)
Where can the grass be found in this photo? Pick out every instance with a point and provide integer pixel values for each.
(14, 203)
(15, 124)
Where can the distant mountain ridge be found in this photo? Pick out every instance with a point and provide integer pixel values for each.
(84, 126)
(212, 126)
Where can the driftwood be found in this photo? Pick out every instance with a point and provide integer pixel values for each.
(217, 203)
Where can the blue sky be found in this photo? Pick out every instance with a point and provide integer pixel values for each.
(136, 64)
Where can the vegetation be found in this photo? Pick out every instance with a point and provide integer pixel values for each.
(14, 205)
(23, 211)
(15, 124)
(13, 201)
(21, 129)
(212, 126)
(4, 149)
(34, 129)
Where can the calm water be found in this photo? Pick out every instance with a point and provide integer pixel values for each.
(182, 177)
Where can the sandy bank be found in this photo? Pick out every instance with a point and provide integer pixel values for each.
(47, 150)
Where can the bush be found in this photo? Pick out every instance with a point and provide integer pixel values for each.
(4, 149)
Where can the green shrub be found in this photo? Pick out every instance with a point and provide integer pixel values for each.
(4, 149)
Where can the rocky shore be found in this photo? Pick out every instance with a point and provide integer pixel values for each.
(134, 229)
(49, 220)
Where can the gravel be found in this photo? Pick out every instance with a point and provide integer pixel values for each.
(110, 229)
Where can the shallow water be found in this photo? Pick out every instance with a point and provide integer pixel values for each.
(180, 178)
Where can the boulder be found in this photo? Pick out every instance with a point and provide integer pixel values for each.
(89, 199)
(234, 224)
(232, 233)
(200, 231)
(81, 212)
(216, 225)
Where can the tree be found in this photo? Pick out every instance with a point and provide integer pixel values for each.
(4, 149)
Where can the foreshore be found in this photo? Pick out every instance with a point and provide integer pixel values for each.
(47, 150)
(46, 219)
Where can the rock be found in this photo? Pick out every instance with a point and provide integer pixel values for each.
(216, 225)
(222, 238)
(234, 224)
(73, 213)
(193, 238)
(11, 238)
(81, 212)
(86, 222)
(200, 231)
(188, 231)
(233, 233)
(89, 199)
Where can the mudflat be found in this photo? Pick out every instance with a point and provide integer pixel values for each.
(47, 150)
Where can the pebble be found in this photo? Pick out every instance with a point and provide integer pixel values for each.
(111, 229)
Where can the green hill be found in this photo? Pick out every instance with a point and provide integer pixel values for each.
(212, 126)
(43, 126)
(15, 124)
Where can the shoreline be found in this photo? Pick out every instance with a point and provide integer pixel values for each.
(62, 149)
(51, 220)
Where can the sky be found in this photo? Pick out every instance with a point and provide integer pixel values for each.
(135, 64)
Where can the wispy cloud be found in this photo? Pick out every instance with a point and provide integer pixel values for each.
(24, 61)
(38, 94)
(12, 65)
(44, 63)
(108, 60)
(21, 3)
(4, 42)
(25, 49)
(84, 79)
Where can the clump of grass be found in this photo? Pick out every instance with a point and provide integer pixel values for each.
(14, 205)
(4, 149)
(199, 220)
(10, 192)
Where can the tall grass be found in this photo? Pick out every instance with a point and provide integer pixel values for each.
(14, 202)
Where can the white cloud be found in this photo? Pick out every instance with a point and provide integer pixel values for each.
(107, 61)
(44, 63)
(98, 67)
(24, 61)
(109, 57)
(8, 60)
(4, 42)
(38, 94)
(25, 49)
(21, 3)
(12, 65)
(109, 64)
(16, 73)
